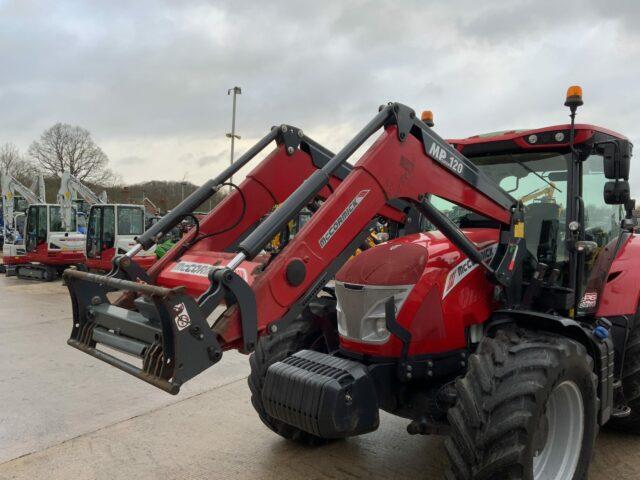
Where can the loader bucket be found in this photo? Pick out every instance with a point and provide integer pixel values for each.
(166, 340)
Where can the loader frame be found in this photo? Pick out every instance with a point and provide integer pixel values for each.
(241, 323)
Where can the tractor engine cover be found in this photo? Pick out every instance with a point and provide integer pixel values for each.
(323, 395)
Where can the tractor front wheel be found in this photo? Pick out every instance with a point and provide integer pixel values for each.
(526, 410)
(313, 330)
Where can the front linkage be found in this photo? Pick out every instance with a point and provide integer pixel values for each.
(166, 328)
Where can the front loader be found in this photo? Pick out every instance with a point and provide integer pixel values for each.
(501, 323)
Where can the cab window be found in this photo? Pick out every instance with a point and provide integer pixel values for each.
(108, 227)
(56, 219)
(601, 221)
(130, 221)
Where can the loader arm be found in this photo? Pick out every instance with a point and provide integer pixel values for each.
(269, 184)
(407, 162)
(295, 158)
(177, 336)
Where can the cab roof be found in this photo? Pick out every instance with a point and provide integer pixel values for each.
(556, 136)
(512, 134)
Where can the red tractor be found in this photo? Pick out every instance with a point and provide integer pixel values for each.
(501, 312)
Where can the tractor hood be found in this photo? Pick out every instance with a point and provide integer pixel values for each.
(403, 261)
(427, 279)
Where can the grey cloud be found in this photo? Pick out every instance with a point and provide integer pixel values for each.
(154, 70)
(209, 160)
(128, 161)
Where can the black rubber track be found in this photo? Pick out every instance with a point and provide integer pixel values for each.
(630, 384)
(501, 400)
(304, 333)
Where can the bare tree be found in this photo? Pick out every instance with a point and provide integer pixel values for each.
(68, 148)
(12, 162)
(9, 157)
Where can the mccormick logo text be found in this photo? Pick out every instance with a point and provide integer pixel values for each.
(193, 268)
(342, 218)
(465, 267)
(203, 269)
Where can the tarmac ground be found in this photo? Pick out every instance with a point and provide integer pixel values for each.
(66, 415)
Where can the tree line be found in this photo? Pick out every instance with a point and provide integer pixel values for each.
(65, 147)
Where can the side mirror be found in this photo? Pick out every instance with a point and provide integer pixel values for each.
(616, 193)
(617, 158)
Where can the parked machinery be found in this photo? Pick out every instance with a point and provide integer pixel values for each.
(111, 228)
(512, 329)
(15, 199)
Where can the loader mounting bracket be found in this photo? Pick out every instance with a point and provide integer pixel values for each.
(125, 268)
(403, 117)
(228, 286)
(290, 137)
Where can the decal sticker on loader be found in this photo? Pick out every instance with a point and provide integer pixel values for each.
(440, 154)
(324, 239)
(465, 267)
(182, 318)
(193, 268)
(589, 300)
(202, 269)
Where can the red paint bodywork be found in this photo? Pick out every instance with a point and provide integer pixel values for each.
(43, 255)
(405, 173)
(621, 294)
(436, 324)
(267, 185)
(583, 133)
(389, 169)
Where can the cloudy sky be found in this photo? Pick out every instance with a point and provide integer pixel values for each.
(149, 79)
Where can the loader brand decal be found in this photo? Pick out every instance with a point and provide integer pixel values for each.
(203, 269)
(589, 300)
(465, 267)
(440, 154)
(342, 218)
(193, 268)
(182, 318)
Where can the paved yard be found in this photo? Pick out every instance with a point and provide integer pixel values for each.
(66, 416)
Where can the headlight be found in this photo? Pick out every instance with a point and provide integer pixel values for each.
(361, 310)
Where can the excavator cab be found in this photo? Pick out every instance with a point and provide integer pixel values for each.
(112, 230)
(50, 247)
(44, 230)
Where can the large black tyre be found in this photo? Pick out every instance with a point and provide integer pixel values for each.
(630, 384)
(500, 420)
(311, 331)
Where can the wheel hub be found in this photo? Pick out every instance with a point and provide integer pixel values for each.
(558, 441)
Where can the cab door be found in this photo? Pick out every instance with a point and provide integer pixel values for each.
(94, 232)
(36, 227)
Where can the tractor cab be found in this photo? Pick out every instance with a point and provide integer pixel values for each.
(571, 215)
(112, 230)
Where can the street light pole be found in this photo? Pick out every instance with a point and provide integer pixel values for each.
(236, 91)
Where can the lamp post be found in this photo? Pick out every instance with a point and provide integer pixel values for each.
(236, 91)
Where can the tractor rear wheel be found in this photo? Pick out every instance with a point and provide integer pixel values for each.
(630, 383)
(313, 330)
(526, 410)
